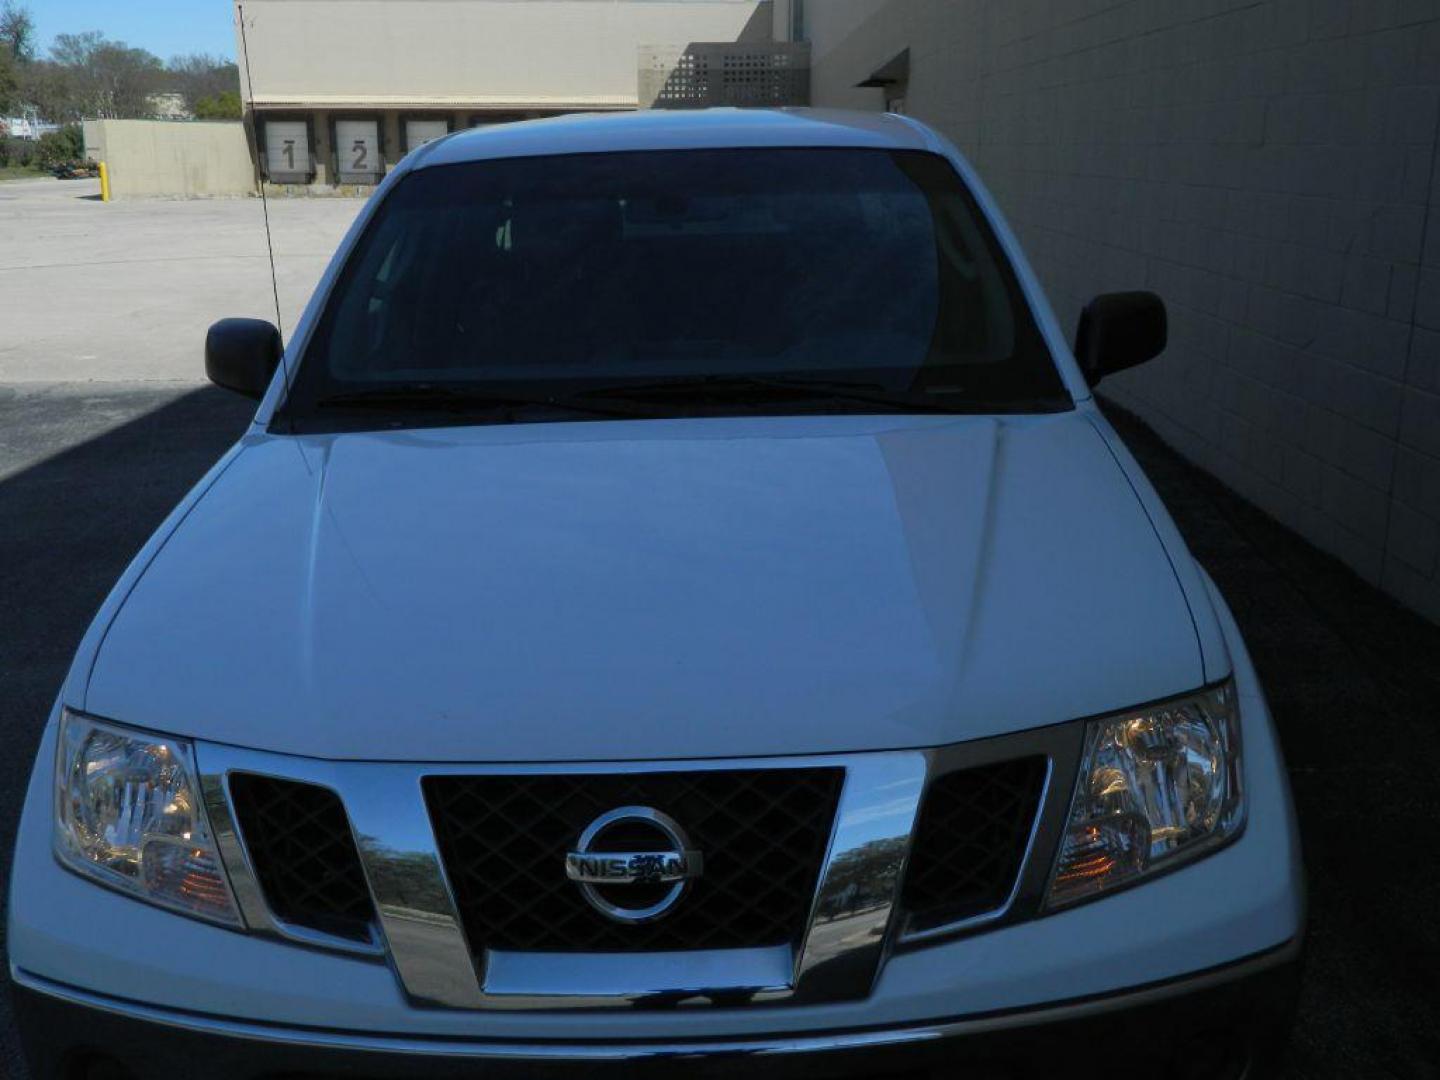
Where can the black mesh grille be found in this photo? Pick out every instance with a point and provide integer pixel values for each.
(763, 835)
(300, 846)
(971, 838)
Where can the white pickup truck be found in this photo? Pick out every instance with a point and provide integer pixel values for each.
(677, 609)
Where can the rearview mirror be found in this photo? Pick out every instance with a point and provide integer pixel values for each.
(1118, 331)
(242, 355)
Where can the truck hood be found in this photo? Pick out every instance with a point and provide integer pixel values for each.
(652, 589)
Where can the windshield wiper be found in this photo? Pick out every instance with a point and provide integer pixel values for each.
(769, 387)
(422, 395)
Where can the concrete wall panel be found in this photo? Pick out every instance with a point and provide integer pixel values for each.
(157, 157)
(1269, 166)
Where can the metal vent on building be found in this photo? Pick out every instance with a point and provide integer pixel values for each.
(704, 74)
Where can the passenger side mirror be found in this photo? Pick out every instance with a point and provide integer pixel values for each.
(1118, 331)
(242, 355)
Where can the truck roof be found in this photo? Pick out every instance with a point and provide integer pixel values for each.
(591, 133)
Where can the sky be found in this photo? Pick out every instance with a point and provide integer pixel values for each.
(166, 27)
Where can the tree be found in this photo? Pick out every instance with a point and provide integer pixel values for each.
(86, 75)
(17, 48)
(197, 77)
(91, 76)
(17, 30)
(75, 50)
(223, 106)
(123, 80)
(47, 88)
(9, 83)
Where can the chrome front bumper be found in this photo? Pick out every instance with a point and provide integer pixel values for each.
(1227, 1022)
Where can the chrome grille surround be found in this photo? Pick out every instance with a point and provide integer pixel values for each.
(854, 917)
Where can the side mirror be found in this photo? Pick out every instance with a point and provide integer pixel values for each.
(1118, 331)
(242, 355)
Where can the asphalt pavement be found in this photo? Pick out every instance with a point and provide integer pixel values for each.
(125, 290)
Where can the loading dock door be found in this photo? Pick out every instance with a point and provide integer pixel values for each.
(357, 151)
(287, 151)
(419, 132)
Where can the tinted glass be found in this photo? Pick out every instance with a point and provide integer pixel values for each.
(567, 273)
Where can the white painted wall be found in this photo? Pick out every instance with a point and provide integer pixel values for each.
(1269, 167)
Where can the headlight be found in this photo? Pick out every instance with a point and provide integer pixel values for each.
(1158, 786)
(128, 814)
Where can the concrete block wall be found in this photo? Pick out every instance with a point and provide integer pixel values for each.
(1270, 168)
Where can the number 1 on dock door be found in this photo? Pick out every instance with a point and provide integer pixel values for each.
(287, 151)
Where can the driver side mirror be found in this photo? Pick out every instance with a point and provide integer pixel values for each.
(1118, 331)
(242, 355)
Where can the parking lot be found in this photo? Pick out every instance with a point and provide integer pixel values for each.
(105, 422)
(123, 291)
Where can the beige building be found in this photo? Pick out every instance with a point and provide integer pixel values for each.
(340, 90)
(1269, 168)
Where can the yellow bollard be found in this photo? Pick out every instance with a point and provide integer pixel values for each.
(104, 183)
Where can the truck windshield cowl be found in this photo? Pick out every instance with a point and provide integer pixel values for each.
(722, 282)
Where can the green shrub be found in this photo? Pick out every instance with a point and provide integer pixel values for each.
(17, 152)
(223, 106)
(67, 144)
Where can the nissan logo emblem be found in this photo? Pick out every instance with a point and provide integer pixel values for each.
(601, 871)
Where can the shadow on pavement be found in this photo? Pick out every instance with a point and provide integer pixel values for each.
(1353, 681)
(69, 524)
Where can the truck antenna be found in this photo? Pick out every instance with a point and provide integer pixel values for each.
(260, 176)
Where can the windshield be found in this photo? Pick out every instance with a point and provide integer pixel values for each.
(695, 282)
